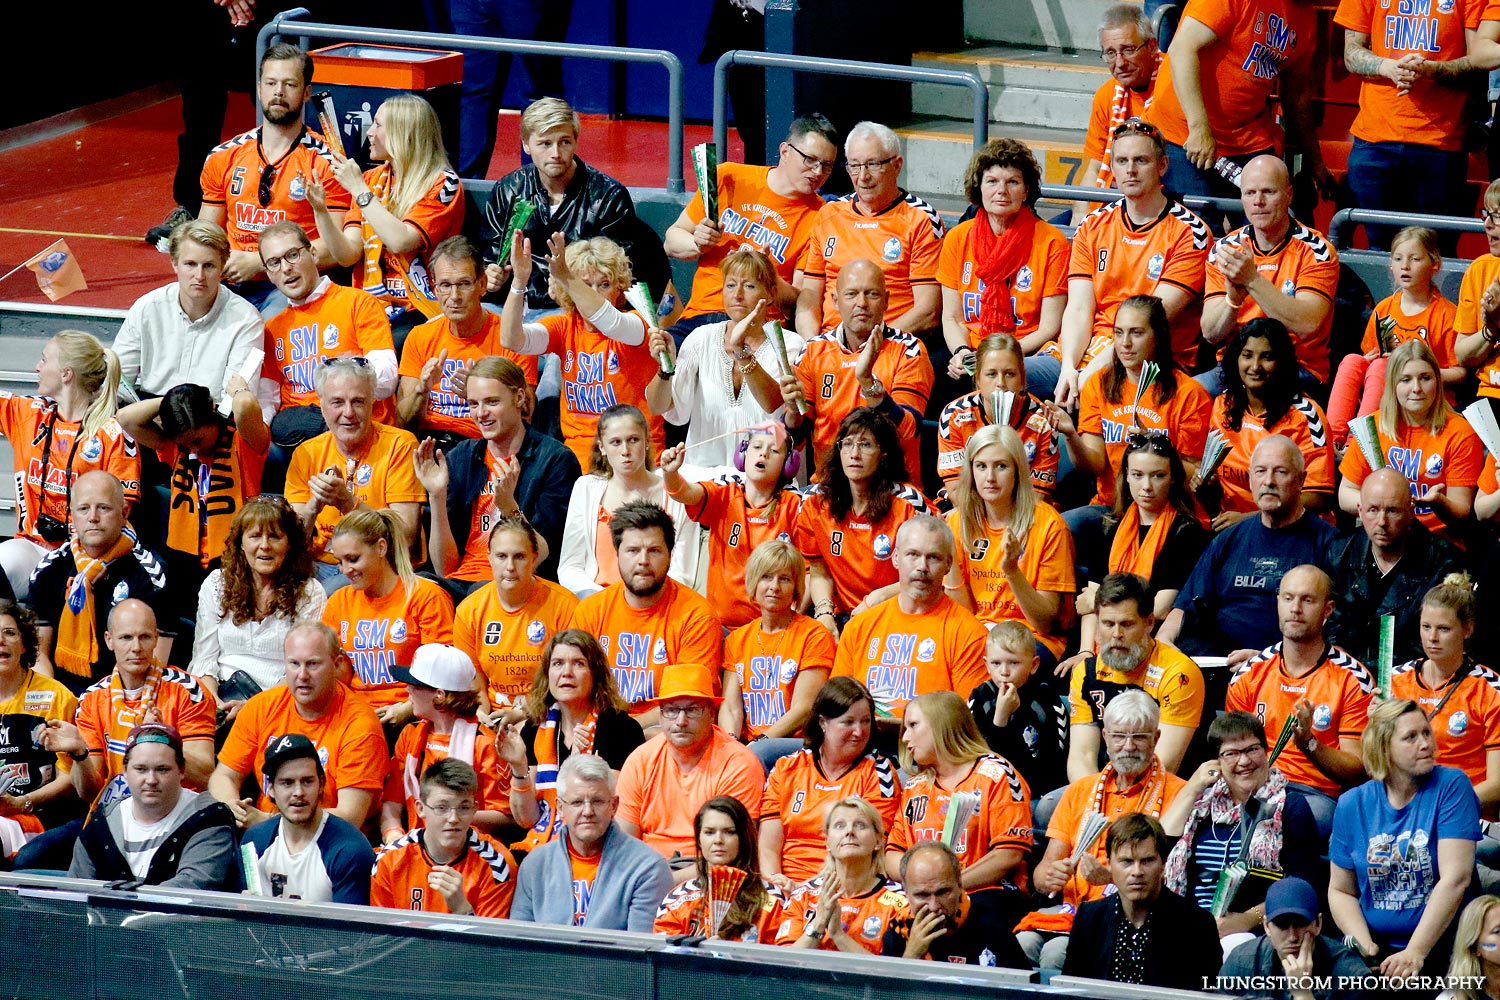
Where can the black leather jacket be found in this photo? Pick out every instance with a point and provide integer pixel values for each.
(1355, 623)
(594, 205)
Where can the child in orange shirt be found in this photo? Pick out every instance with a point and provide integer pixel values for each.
(1476, 341)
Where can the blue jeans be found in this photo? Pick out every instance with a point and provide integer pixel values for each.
(1086, 525)
(1320, 804)
(1042, 371)
(769, 751)
(1188, 181)
(330, 577)
(1406, 177)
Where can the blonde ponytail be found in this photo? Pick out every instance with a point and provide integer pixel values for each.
(97, 369)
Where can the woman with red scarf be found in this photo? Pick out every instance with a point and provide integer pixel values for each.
(1005, 270)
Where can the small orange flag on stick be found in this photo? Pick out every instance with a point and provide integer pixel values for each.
(57, 271)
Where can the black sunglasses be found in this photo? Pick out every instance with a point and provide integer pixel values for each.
(267, 184)
(1146, 441)
(1136, 125)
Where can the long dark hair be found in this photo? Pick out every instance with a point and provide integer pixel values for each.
(237, 580)
(1161, 338)
(890, 471)
(752, 895)
(605, 693)
(1178, 496)
(1280, 391)
(834, 698)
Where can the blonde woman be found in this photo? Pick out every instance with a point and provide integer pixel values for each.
(838, 909)
(1476, 951)
(66, 429)
(405, 206)
(1423, 438)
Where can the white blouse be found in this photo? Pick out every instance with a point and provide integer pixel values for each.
(220, 647)
(703, 392)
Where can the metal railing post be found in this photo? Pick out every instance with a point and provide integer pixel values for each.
(1341, 227)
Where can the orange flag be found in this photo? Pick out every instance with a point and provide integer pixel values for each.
(57, 271)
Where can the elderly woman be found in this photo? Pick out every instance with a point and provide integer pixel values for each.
(1235, 810)
(1402, 851)
(725, 837)
(725, 374)
(852, 892)
(1005, 270)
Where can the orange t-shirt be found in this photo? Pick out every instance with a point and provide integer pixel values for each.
(1435, 325)
(856, 553)
(418, 747)
(23, 422)
(584, 872)
(1304, 422)
(798, 793)
(1470, 317)
(389, 452)
(335, 322)
(750, 214)
(1429, 114)
(447, 408)
(734, 531)
(402, 869)
(404, 279)
(864, 918)
(638, 643)
(379, 633)
(1467, 726)
(903, 239)
(1097, 141)
(1183, 419)
(597, 373)
(505, 646)
(826, 372)
(1046, 562)
(768, 666)
(180, 702)
(349, 739)
(1453, 458)
(231, 180)
(1045, 274)
(685, 911)
(1340, 689)
(966, 414)
(1302, 262)
(660, 801)
(1002, 819)
(1123, 259)
(1238, 72)
(899, 656)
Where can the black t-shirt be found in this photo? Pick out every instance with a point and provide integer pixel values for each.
(985, 938)
(1035, 739)
(139, 574)
(615, 735)
(1185, 543)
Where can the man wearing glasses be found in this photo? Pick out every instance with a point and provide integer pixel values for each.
(881, 222)
(769, 208)
(666, 780)
(1127, 42)
(1128, 658)
(260, 177)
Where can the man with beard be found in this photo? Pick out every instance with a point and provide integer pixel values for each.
(1134, 781)
(260, 177)
(648, 620)
(1146, 934)
(921, 640)
(1322, 689)
(1129, 658)
(306, 853)
(1229, 601)
(947, 924)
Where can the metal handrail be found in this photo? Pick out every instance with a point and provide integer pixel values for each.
(288, 22)
(1068, 192)
(1341, 227)
(843, 67)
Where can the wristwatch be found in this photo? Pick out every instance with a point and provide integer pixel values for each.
(364, 199)
(79, 758)
(27, 804)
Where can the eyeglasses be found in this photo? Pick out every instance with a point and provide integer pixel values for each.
(1489, 216)
(292, 256)
(1249, 753)
(449, 809)
(1130, 739)
(267, 184)
(1124, 51)
(1138, 126)
(686, 711)
(358, 360)
(465, 286)
(873, 166)
(594, 805)
(812, 162)
(864, 445)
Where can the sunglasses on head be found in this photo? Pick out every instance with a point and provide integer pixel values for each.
(1146, 441)
(1138, 126)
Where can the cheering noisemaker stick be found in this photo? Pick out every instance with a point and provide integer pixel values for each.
(1384, 654)
(961, 808)
(706, 169)
(724, 882)
(777, 337)
(1287, 728)
(1215, 450)
(1367, 436)
(1149, 371)
(328, 121)
(639, 297)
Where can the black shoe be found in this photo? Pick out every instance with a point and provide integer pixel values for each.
(160, 236)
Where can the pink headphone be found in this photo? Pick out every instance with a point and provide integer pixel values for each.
(789, 467)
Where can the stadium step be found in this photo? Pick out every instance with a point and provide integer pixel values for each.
(937, 151)
(1043, 87)
(1069, 25)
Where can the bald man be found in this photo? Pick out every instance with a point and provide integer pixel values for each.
(1386, 569)
(103, 552)
(1274, 266)
(1323, 688)
(1229, 601)
(860, 362)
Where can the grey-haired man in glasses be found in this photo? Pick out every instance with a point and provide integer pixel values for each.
(1127, 43)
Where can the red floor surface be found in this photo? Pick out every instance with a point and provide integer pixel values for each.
(103, 185)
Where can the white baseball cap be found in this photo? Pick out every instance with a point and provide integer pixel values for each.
(440, 667)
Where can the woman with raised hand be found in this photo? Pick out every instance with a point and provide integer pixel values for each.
(725, 836)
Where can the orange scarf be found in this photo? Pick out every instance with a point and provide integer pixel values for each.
(1130, 553)
(418, 292)
(545, 748)
(1118, 107)
(77, 628)
(205, 498)
(122, 719)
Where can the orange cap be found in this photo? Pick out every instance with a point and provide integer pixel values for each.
(686, 680)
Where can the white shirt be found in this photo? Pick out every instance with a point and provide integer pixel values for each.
(140, 840)
(159, 347)
(702, 393)
(220, 647)
(305, 876)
